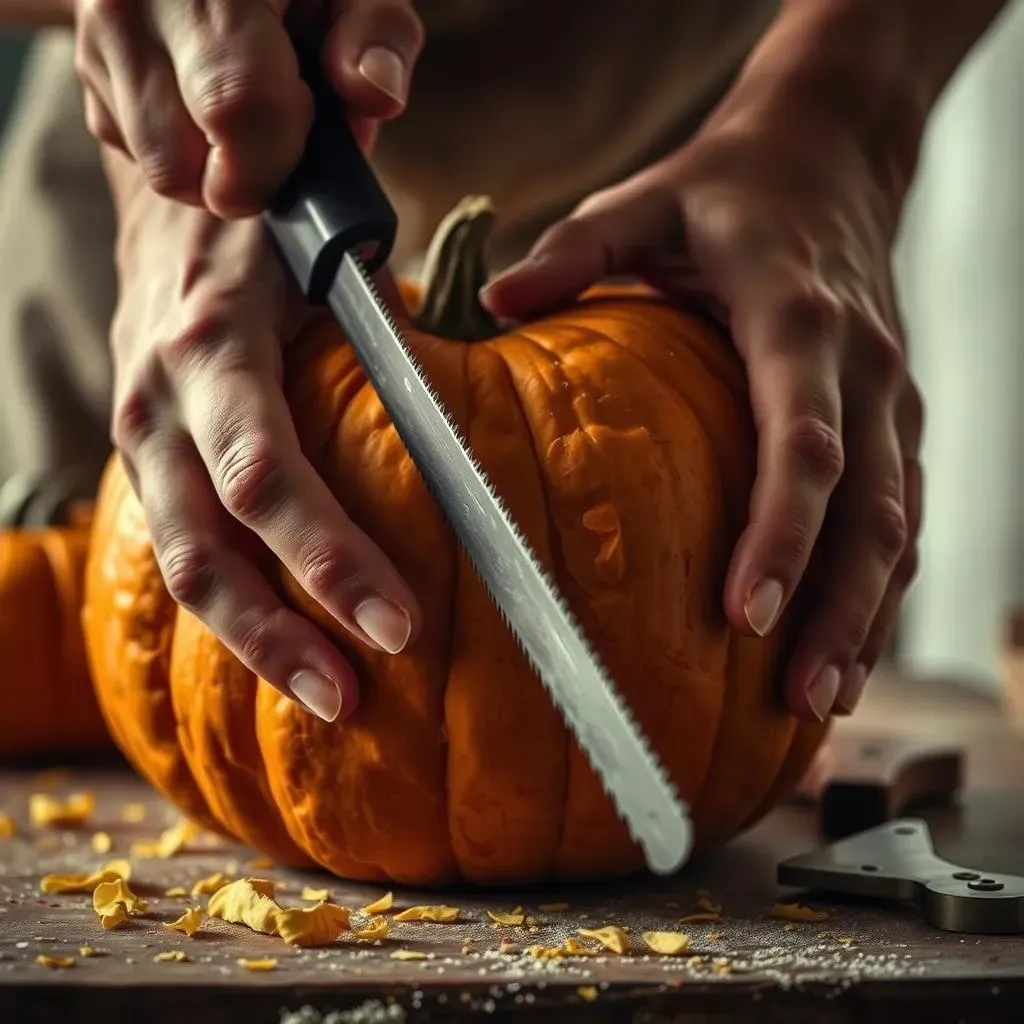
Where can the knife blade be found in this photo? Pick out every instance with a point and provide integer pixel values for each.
(333, 225)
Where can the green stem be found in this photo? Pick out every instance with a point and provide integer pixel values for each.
(454, 272)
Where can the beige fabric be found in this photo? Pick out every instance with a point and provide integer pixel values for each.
(536, 104)
(57, 282)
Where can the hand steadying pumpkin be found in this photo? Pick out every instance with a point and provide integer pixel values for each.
(207, 97)
(781, 213)
(206, 435)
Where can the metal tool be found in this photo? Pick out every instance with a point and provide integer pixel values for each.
(896, 862)
(333, 224)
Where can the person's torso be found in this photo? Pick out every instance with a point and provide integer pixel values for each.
(538, 104)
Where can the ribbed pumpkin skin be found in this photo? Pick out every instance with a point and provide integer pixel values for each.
(620, 436)
(47, 704)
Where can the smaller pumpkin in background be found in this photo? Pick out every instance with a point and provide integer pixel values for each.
(47, 702)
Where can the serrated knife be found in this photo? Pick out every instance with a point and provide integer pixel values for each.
(334, 226)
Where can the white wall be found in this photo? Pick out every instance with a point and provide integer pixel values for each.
(960, 266)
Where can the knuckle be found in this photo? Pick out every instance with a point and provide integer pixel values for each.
(810, 313)
(790, 546)
(885, 357)
(134, 420)
(205, 330)
(817, 450)
(887, 524)
(232, 97)
(189, 574)
(326, 570)
(164, 170)
(257, 644)
(250, 478)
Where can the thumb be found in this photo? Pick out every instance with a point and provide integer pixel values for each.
(628, 229)
(370, 53)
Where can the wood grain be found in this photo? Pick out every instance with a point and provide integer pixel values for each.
(863, 963)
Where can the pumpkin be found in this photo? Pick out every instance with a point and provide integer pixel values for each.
(47, 704)
(619, 433)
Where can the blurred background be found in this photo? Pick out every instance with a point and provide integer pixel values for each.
(960, 265)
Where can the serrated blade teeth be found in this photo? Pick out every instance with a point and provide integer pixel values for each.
(528, 600)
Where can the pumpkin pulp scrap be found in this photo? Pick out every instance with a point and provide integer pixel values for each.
(618, 431)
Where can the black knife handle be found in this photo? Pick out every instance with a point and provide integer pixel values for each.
(332, 203)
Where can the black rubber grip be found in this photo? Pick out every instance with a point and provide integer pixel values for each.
(332, 203)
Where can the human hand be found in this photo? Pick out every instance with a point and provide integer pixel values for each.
(207, 439)
(774, 216)
(207, 97)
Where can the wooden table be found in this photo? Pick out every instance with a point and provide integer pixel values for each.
(864, 963)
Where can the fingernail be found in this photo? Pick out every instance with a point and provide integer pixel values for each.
(851, 690)
(822, 693)
(384, 623)
(386, 70)
(763, 604)
(317, 694)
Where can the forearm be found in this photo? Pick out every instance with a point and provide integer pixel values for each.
(878, 65)
(35, 13)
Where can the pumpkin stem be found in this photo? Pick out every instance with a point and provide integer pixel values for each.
(455, 271)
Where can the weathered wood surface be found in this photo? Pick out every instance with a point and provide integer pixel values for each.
(863, 963)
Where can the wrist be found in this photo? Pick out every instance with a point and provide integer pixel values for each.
(870, 71)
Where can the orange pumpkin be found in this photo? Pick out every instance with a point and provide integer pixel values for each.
(47, 704)
(619, 433)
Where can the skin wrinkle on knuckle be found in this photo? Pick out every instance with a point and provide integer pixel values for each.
(231, 96)
(188, 572)
(165, 171)
(250, 478)
(789, 545)
(326, 570)
(816, 450)
(258, 642)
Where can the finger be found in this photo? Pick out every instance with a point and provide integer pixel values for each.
(909, 427)
(236, 412)
(370, 54)
(206, 575)
(624, 230)
(239, 80)
(866, 535)
(125, 67)
(788, 337)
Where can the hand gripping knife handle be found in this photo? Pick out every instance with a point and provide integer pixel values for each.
(332, 203)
